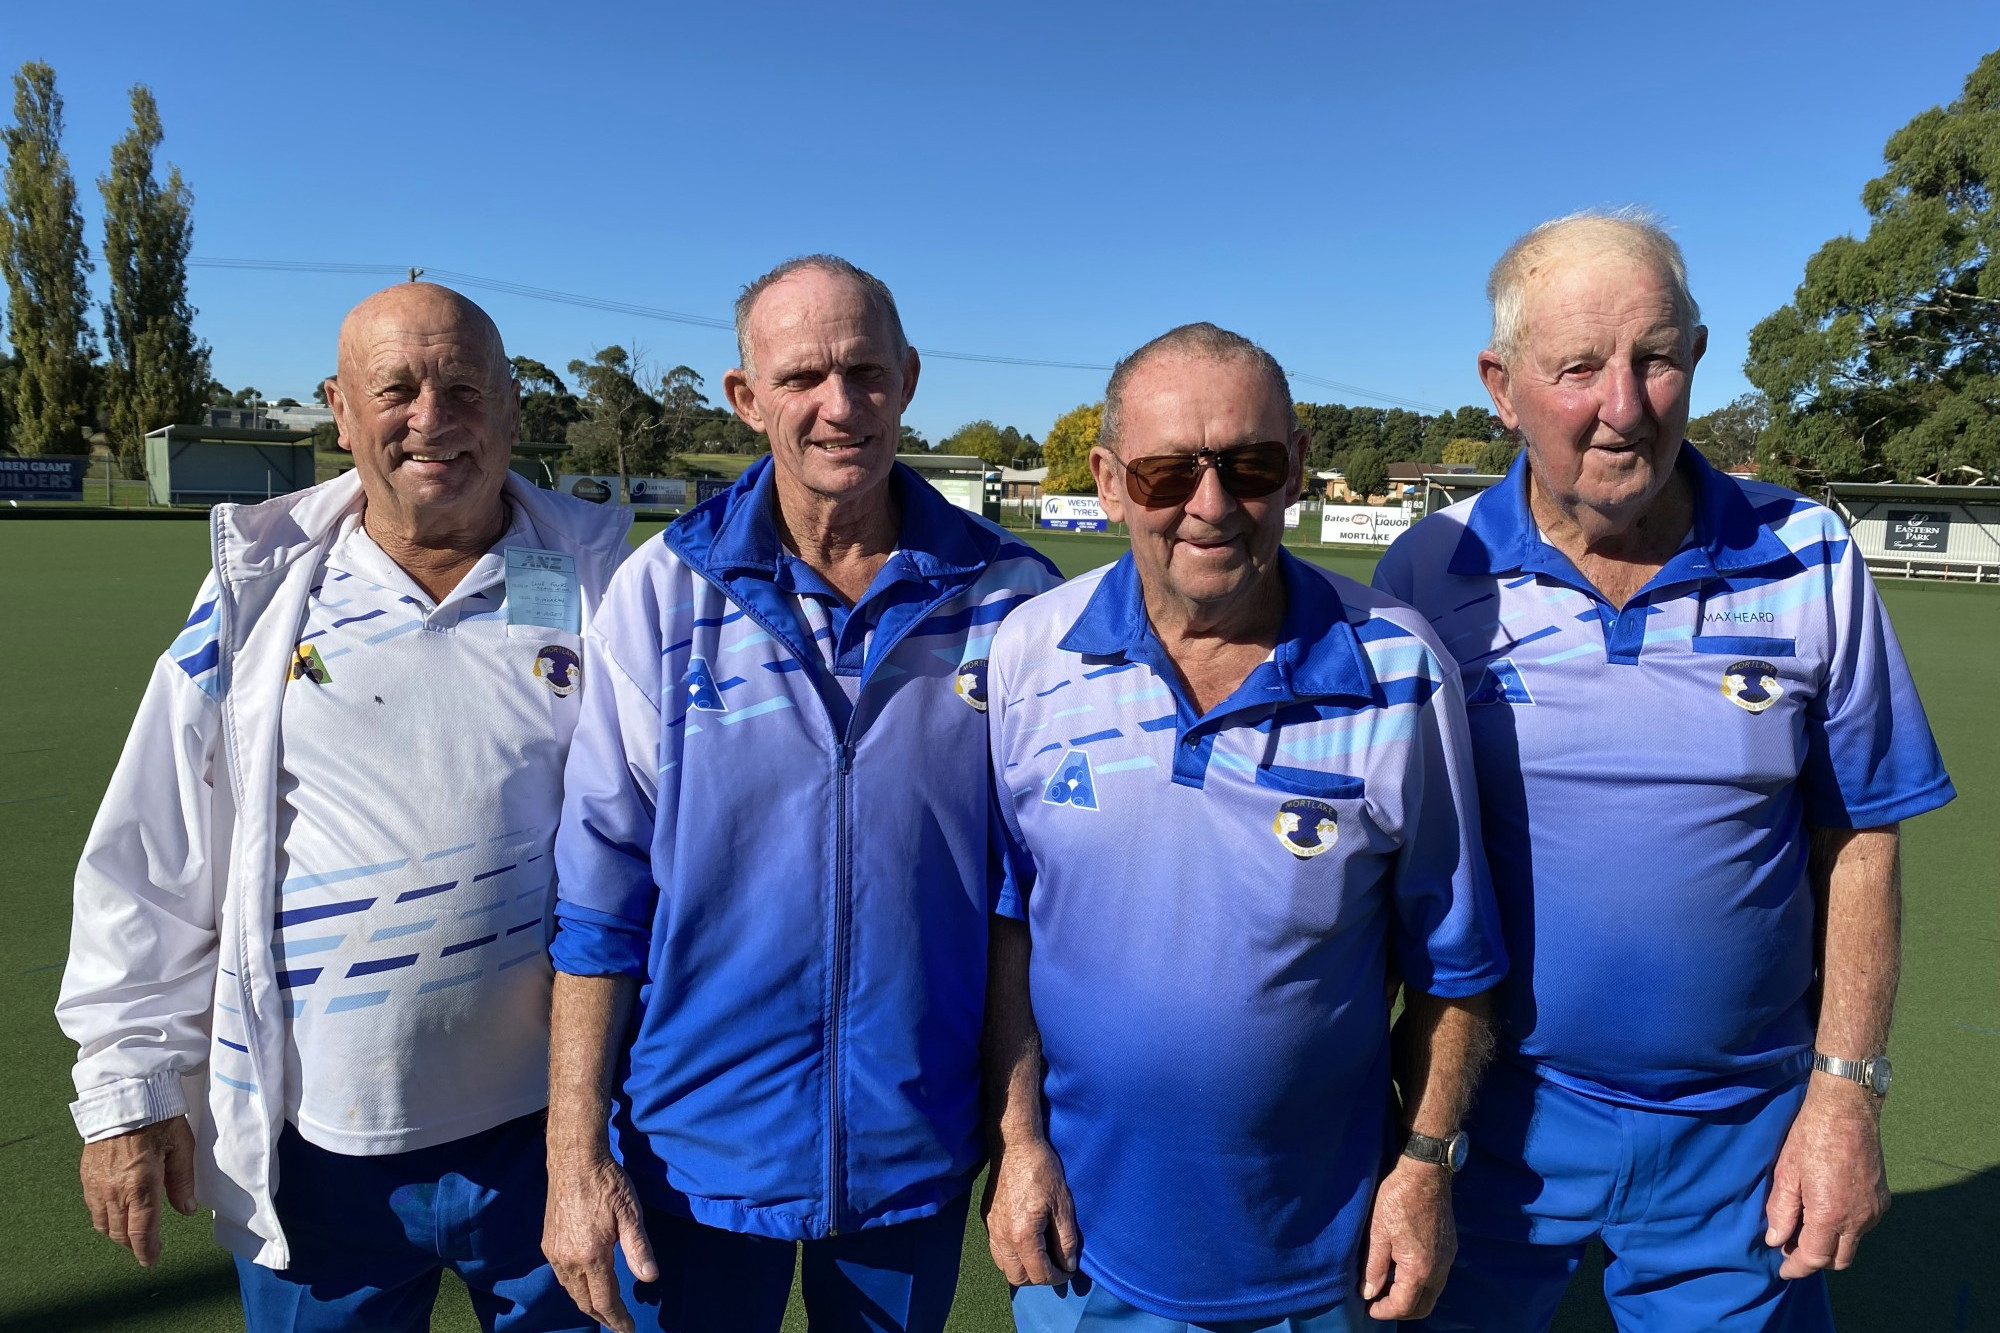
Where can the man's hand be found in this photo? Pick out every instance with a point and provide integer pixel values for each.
(1829, 1189)
(591, 1209)
(1030, 1220)
(1411, 1242)
(122, 1177)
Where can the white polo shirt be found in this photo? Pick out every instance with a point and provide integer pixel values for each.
(420, 782)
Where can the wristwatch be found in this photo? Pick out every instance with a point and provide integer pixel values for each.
(1871, 1073)
(1447, 1153)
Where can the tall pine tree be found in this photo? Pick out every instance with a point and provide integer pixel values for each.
(158, 372)
(45, 262)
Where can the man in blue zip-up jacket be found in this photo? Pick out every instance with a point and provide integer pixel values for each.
(773, 864)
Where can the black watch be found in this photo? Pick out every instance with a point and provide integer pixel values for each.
(1448, 1153)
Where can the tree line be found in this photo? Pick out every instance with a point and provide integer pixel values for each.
(55, 387)
(1884, 366)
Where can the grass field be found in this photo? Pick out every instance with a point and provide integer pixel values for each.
(93, 603)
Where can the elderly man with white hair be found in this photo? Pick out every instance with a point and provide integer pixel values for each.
(1695, 738)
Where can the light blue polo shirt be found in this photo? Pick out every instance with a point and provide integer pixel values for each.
(1647, 776)
(1215, 900)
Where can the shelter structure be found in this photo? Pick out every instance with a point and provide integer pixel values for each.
(966, 480)
(1915, 531)
(208, 465)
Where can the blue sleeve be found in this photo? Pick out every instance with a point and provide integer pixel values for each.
(1011, 868)
(1870, 757)
(606, 896)
(1447, 935)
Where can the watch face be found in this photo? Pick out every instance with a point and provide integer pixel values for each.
(1461, 1147)
(1878, 1075)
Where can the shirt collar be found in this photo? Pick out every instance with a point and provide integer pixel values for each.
(1318, 653)
(934, 542)
(1501, 537)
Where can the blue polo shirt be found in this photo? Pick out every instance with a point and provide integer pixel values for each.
(1214, 901)
(1647, 776)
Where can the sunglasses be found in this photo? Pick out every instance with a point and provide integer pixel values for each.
(1246, 471)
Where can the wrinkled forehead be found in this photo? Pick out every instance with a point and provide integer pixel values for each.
(1596, 292)
(1176, 403)
(816, 317)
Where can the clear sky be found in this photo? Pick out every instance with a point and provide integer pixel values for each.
(1047, 181)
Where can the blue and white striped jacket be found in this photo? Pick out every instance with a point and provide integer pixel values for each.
(799, 882)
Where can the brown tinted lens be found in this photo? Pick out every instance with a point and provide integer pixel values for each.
(1252, 471)
(1162, 481)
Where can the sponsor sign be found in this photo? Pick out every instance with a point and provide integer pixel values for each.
(965, 492)
(1918, 530)
(647, 492)
(1363, 525)
(1292, 516)
(1078, 513)
(42, 478)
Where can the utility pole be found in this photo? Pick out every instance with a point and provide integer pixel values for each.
(416, 273)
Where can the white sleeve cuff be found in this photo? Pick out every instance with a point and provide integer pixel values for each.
(129, 1104)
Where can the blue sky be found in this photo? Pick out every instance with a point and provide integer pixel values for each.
(1058, 181)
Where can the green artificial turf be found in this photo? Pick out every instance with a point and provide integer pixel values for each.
(90, 604)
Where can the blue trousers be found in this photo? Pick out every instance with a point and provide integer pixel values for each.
(1082, 1306)
(371, 1236)
(894, 1279)
(1677, 1199)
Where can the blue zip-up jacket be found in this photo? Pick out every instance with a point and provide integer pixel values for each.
(799, 883)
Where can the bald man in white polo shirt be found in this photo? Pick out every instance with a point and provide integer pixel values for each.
(312, 915)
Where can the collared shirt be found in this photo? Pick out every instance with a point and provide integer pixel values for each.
(420, 781)
(782, 827)
(1214, 899)
(1647, 775)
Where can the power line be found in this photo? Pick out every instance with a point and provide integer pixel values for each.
(706, 321)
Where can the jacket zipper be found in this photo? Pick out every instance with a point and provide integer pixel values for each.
(842, 889)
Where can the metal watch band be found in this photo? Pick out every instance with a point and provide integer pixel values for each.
(1871, 1073)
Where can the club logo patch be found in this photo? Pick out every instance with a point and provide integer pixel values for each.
(1500, 683)
(307, 665)
(1752, 685)
(1072, 783)
(700, 686)
(559, 669)
(1306, 827)
(971, 682)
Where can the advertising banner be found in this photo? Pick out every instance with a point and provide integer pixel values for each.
(1077, 513)
(647, 492)
(1924, 530)
(1363, 525)
(1292, 516)
(965, 492)
(42, 478)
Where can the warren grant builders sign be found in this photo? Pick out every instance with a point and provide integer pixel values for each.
(1918, 530)
(42, 478)
(1364, 525)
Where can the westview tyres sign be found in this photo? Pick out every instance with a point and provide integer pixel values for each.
(1918, 530)
(42, 478)
(1078, 513)
(1363, 525)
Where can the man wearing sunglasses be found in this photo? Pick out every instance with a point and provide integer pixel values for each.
(1233, 786)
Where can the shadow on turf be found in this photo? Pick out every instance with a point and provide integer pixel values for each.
(139, 1301)
(1928, 1266)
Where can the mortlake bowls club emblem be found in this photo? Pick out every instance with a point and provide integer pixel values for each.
(971, 682)
(1306, 827)
(306, 665)
(1752, 685)
(559, 669)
